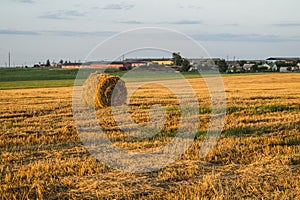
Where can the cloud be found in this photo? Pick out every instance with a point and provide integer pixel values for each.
(241, 37)
(194, 7)
(80, 33)
(233, 24)
(17, 32)
(131, 22)
(119, 6)
(190, 7)
(95, 8)
(288, 24)
(57, 33)
(184, 22)
(63, 14)
(25, 1)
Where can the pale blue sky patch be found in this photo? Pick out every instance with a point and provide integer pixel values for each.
(17, 32)
(183, 22)
(130, 22)
(242, 38)
(63, 14)
(25, 1)
(77, 34)
(288, 24)
(244, 29)
(118, 6)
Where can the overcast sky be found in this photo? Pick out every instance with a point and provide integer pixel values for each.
(35, 30)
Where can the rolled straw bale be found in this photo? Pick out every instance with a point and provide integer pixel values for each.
(102, 90)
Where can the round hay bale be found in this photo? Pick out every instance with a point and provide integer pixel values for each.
(102, 90)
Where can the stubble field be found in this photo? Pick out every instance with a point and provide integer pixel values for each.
(256, 157)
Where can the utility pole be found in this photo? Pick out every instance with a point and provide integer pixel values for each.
(8, 59)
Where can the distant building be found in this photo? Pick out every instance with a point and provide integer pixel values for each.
(53, 64)
(163, 62)
(118, 64)
(103, 64)
(93, 64)
(263, 68)
(235, 68)
(248, 67)
(134, 62)
(295, 68)
(273, 67)
(143, 61)
(203, 64)
(284, 69)
(71, 65)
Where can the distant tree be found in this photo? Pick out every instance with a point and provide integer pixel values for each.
(48, 63)
(61, 62)
(223, 67)
(242, 62)
(122, 68)
(177, 59)
(125, 68)
(185, 65)
(254, 68)
(285, 64)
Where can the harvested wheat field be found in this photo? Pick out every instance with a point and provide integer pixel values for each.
(256, 157)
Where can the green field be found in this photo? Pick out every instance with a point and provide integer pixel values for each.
(21, 78)
(30, 74)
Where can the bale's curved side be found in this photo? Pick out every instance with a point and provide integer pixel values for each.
(102, 90)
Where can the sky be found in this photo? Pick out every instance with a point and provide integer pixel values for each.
(36, 30)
